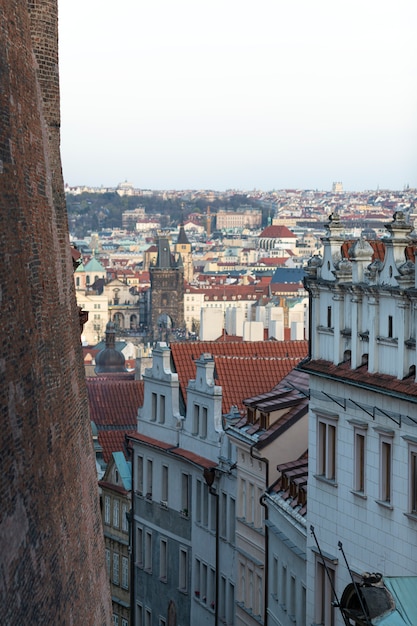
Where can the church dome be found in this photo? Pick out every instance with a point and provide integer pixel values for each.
(109, 360)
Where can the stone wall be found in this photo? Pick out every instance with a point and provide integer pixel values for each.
(52, 568)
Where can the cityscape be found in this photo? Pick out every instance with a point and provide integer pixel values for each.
(231, 403)
(208, 384)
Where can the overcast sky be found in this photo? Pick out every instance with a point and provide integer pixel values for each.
(227, 94)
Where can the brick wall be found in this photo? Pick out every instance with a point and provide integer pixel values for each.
(52, 568)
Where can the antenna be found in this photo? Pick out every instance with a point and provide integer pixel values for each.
(357, 588)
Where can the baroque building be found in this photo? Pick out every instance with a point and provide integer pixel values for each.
(362, 483)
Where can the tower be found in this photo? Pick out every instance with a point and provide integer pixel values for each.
(183, 248)
(167, 290)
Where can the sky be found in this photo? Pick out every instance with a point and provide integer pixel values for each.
(230, 94)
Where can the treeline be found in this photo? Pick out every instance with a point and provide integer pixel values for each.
(92, 212)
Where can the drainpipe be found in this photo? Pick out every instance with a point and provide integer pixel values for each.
(262, 503)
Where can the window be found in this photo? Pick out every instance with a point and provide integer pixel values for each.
(291, 608)
(162, 621)
(125, 572)
(162, 409)
(243, 499)
(326, 448)
(139, 547)
(203, 583)
(125, 622)
(196, 417)
(324, 610)
(164, 486)
(283, 593)
(223, 515)
(359, 460)
(139, 475)
(148, 551)
(139, 615)
(149, 469)
(148, 617)
(107, 509)
(205, 505)
(259, 595)
(125, 522)
(108, 561)
(198, 501)
(385, 468)
(232, 520)
(329, 317)
(185, 483)
(115, 620)
(163, 553)
(154, 406)
(183, 570)
(412, 479)
(230, 609)
(116, 568)
(390, 327)
(275, 577)
(116, 511)
(222, 599)
(204, 422)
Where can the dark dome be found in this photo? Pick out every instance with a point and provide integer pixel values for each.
(109, 360)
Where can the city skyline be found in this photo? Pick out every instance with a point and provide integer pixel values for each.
(188, 96)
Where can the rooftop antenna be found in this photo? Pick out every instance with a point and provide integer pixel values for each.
(335, 602)
(356, 586)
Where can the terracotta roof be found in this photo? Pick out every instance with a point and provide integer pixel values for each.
(277, 232)
(162, 445)
(407, 386)
(243, 368)
(113, 405)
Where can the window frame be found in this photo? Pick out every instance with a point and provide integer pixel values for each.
(326, 447)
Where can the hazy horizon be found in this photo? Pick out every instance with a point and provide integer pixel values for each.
(236, 96)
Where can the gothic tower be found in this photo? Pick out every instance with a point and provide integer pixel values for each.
(167, 291)
(183, 248)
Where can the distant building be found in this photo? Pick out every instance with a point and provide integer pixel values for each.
(167, 291)
(239, 219)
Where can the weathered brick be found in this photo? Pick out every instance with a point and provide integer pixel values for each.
(52, 568)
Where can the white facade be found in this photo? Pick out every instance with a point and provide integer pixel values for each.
(98, 316)
(362, 486)
(185, 494)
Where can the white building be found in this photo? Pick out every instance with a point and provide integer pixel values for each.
(362, 486)
(184, 500)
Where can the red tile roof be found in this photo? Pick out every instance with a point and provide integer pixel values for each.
(181, 452)
(113, 405)
(277, 232)
(243, 369)
(407, 386)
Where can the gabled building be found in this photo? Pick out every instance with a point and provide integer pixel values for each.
(362, 481)
(115, 487)
(184, 500)
(273, 432)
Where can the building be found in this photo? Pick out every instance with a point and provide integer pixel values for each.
(167, 291)
(363, 426)
(273, 430)
(286, 527)
(183, 248)
(123, 305)
(238, 219)
(116, 486)
(183, 486)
